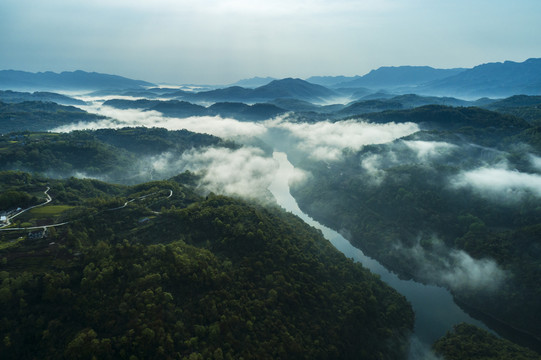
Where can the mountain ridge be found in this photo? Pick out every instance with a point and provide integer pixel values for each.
(276, 89)
(66, 80)
(496, 79)
(398, 76)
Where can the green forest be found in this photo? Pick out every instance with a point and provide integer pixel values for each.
(174, 275)
(410, 215)
(467, 342)
(121, 156)
(40, 116)
(139, 268)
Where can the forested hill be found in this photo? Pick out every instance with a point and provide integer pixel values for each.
(467, 342)
(125, 155)
(184, 109)
(173, 275)
(440, 117)
(456, 204)
(40, 116)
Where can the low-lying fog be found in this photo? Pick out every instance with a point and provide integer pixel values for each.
(249, 170)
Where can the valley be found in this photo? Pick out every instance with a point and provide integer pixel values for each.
(436, 195)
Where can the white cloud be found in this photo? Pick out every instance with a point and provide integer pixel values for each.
(326, 140)
(372, 164)
(463, 272)
(429, 149)
(536, 162)
(453, 268)
(323, 140)
(244, 172)
(500, 184)
(214, 125)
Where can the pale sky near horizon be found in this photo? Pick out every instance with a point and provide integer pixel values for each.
(222, 41)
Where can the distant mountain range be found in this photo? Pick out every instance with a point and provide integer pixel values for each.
(395, 77)
(74, 80)
(493, 79)
(331, 81)
(487, 80)
(254, 82)
(386, 77)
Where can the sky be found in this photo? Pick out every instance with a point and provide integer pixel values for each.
(220, 42)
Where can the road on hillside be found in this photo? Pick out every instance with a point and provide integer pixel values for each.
(49, 199)
(8, 218)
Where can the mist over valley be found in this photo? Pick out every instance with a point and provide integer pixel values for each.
(437, 187)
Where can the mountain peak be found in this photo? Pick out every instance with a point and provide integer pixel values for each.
(288, 80)
(254, 82)
(293, 88)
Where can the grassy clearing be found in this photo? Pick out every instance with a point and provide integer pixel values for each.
(49, 211)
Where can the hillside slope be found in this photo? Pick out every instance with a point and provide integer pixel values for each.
(174, 275)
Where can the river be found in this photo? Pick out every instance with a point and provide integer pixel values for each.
(435, 310)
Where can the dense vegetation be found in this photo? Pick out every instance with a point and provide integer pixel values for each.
(39, 116)
(526, 107)
(260, 272)
(407, 208)
(467, 342)
(184, 277)
(486, 123)
(125, 155)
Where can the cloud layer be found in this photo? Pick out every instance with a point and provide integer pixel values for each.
(500, 184)
(454, 268)
(428, 150)
(323, 140)
(536, 162)
(462, 272)
(245, 172)
(326, 140)
(213, 125)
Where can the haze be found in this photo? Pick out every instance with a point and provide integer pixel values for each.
(220, 42)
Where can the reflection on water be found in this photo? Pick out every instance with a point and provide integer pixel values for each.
(435, 310)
